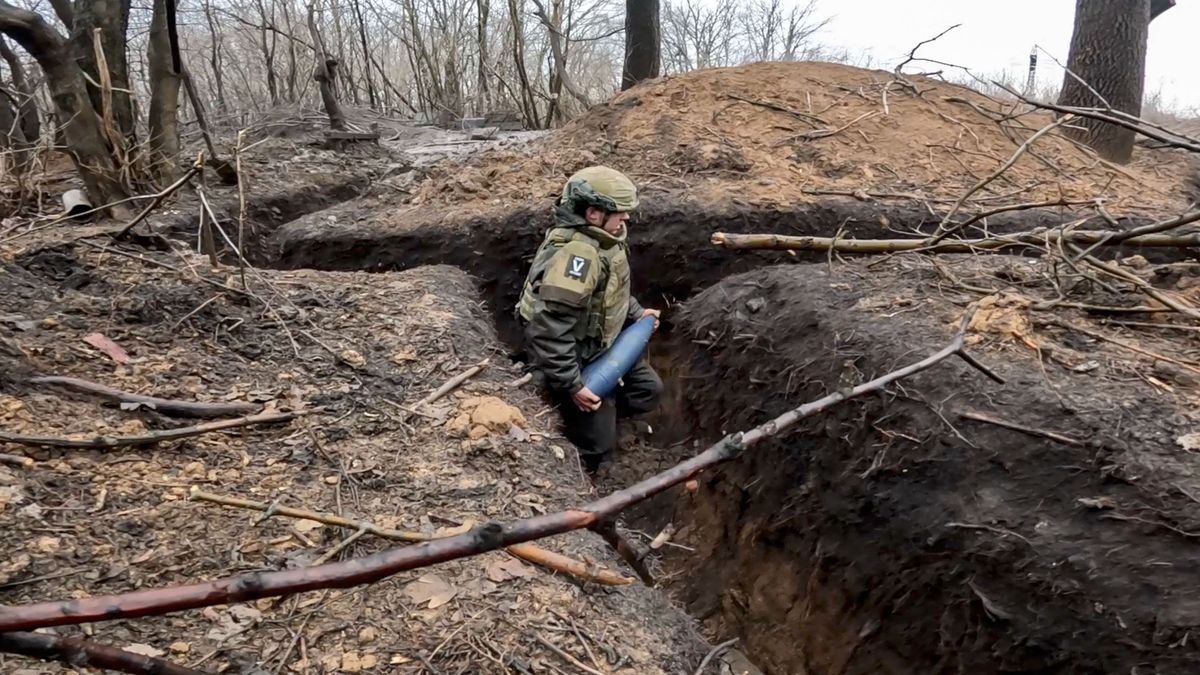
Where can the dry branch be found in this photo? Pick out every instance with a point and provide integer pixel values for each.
(16, 460)
(452, 383)
(942, 230)
(75, 651)
(1159, 133)
(780, 242)
(526, 552)
(106, 442)
(608, 530)
(487, 537)
(712, 654)
(1125, 345)
(988, 419)
(1143, 286)
(565, 656)
(163, 405)
(158, 199)
(567, 565)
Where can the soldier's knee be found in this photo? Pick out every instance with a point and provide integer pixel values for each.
(646, 392)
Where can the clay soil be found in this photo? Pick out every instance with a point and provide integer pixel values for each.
(358, 350)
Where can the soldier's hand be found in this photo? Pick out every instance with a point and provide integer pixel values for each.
(586, 400)
(654, 313)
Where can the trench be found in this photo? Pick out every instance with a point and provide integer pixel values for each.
(802, 595)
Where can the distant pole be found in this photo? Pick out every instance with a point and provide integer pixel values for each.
(1029, 83)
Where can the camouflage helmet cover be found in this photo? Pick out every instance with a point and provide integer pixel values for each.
(601, 187)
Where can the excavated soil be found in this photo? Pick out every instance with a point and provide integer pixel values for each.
(697, 147)
(896, 535)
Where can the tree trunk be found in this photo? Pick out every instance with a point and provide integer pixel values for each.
(165, 66)
(1108, 52)
(76, 117)
(112, 18)
(62, 9)
(518, 48)
(214, 57)
(10, 132)
(642, 42)
(483, 96)
(29, 123)
(324, 72)
(559, 77)
(268, 53)
(293, 58)
(362, 34)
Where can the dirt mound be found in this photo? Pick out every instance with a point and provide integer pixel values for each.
(953, 524)
(781, 134)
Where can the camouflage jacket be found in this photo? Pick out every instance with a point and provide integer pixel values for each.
(576, 299)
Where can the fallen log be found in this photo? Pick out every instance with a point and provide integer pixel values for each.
(74, 651)
(780, 242)
(165, 406)
(486, 537)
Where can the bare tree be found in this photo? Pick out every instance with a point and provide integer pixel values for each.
(324, 72)
(1106, 68)
(215, 56)
(643, 42)
(776, 32)
(700, 34)
(76, 117)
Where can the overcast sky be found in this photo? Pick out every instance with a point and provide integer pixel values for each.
(997, 35)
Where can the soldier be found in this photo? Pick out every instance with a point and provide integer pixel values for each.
(575, 302)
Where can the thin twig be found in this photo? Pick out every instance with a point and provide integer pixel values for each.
(16, 460)
(163, 405)
(107, 442)
(1144, 286)
(713, 653)
(912, 55)
(158, 198)
(942, 231)
(987, 419)
(333, 552)
(565, 656)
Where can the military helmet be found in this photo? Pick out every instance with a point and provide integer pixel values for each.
(601, 187)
